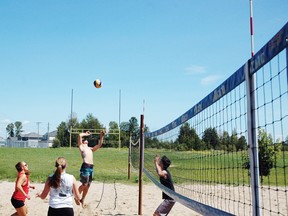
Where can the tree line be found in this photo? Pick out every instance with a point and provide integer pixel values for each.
(187, 139)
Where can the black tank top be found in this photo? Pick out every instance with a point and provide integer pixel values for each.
(167, 183)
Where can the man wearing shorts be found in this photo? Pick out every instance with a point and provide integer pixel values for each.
(86, 171)
(161, 165)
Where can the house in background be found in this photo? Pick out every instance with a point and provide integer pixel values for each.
(49, 137)
(32, 140)
(31, 136)
(2, 142)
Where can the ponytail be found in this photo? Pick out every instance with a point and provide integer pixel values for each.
(55, 180)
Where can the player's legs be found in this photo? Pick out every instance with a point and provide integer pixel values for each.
(85, 179)
(22, 211)
(21, 208)
(164, 208)
(85, 191)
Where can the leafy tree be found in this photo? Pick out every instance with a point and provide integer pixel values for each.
(188, 138)
(224, 141)
(112, 139)
(241, 144)
(134, 128)
(184, 135)
(63, 135)
(233, 141)
(18, 128)
(210, 138)
(73, 121)
(124, 134)
(10, 130)
(56, 143)
(267, 154)
(91, 122)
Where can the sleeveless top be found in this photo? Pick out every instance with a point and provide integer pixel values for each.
(167, 183)
(62, 197)
(17, 194)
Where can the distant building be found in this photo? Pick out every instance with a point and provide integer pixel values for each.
(31, 140)
(2, 142)
(50, 137)
(31, 136)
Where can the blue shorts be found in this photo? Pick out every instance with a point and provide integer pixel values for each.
(86, 174)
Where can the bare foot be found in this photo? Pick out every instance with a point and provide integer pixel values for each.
(83, 204)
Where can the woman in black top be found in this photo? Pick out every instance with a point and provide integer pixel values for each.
(161, 165)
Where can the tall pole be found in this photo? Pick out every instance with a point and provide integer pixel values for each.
(119, 107)
(251, 28)
(38, 123)
(48, 134)
(71, 107)
(70, 140)
(141, 164)
(119, 137)
(253, 149)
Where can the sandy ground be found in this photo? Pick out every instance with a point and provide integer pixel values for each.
(102, 199)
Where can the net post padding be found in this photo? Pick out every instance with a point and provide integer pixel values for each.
(189, 203)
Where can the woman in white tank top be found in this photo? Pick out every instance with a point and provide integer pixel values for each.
(62, 188)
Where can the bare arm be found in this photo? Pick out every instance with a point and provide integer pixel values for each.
(19, 184)
(96, 147)
(80, 137)
(159, 170)
(75, 190)
(45, 191)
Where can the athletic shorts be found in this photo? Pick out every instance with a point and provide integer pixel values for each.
(86, 174)
(17, 203)
(60, 211)
(165, 207)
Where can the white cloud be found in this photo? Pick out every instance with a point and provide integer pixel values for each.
(195, 69)
(210, 79)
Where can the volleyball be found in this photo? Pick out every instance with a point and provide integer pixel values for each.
(98, 83)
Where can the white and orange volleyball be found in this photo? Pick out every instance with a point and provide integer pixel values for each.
(97, 83)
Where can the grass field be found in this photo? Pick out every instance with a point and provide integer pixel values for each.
(110, 164)
(213, 167)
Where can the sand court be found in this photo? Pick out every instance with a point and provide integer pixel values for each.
(102, 199)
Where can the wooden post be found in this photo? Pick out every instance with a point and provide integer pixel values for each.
(141, 162)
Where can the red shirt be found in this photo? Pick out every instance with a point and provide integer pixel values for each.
(17, 194)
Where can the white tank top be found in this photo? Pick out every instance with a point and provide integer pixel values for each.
(62, 197)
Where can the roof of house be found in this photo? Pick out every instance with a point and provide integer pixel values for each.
(32, 134)
(51, 134)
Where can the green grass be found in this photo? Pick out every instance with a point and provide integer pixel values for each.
(110, 164)
(216, 167)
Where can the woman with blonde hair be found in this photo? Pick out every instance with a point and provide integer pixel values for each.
(62, 187)
(22, 186)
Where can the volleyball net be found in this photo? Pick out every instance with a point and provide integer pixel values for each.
(229, 152)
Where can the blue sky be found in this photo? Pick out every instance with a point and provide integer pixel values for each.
(168, 53)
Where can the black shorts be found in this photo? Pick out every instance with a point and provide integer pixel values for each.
(60, 211)
(17, 203)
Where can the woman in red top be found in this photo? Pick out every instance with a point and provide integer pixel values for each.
(22, 186)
